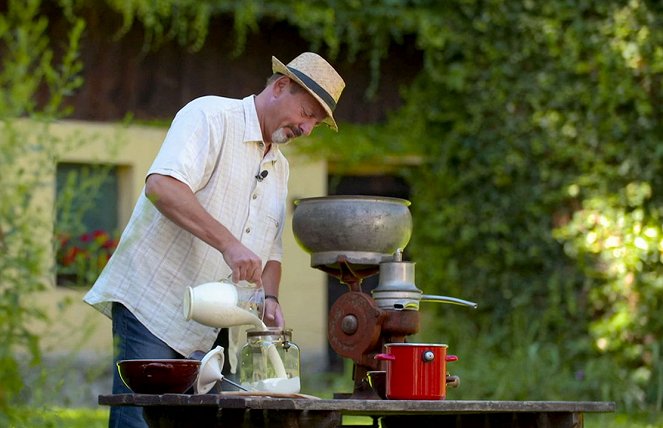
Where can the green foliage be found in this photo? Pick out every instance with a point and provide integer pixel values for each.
(625, 420)
(26, 157)
(618, 242)
(60, 417)
(538, 195)
(185, 21)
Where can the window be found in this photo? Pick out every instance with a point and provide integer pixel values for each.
(86, 221)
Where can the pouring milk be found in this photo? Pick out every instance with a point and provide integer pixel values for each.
(223, 304)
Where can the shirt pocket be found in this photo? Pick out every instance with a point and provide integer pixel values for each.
(272, 224)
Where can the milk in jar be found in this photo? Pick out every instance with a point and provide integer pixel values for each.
(270, 361)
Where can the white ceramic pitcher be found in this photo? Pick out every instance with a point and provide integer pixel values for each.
(224, 304)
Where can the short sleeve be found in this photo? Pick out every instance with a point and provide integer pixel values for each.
(190, 149)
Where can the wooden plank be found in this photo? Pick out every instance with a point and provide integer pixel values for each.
(241, 411)
(358, 407)
(386, 407)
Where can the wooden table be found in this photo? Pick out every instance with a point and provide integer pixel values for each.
(237, 411)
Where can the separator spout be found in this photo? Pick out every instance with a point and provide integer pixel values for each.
(447, 299)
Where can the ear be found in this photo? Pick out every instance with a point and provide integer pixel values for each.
(280, 85)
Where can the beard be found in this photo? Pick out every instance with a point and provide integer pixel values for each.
(280, 136)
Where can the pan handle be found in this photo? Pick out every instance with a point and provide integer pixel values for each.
(384, 357)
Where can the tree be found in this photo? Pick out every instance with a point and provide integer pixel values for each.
(31, 71)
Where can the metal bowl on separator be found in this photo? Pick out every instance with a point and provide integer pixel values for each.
(363, 230)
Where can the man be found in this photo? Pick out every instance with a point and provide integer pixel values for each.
(214, 205)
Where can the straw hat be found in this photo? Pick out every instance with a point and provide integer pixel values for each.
(318, 77)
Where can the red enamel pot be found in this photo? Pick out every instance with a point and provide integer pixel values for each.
(416, 371)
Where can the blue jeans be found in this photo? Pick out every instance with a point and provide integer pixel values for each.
(132, 341)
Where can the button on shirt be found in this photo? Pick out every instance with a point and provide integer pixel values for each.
(214, 146)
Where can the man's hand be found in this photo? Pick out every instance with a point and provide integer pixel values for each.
(271, 277)
(273, 315)
(245, 265)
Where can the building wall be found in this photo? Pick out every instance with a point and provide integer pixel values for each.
(78, 327)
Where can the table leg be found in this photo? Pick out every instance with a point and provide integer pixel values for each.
(180, 417)
(293, 419)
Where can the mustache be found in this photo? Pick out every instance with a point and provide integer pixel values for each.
(296, 130)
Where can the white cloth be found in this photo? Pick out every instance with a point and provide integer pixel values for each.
(214, 145)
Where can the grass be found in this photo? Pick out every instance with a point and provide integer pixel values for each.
(624, 420)
(56, 417)
(618, 420)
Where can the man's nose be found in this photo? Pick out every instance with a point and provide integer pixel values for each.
(307, 127)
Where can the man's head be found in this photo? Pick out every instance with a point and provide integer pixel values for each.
(318, 77)
(298, 97)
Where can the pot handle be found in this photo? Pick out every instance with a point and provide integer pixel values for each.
(451, 358)
(384, 357)
(452, 381)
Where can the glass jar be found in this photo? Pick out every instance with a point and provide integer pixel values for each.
(270, 361)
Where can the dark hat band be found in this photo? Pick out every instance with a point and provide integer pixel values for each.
(317, 89)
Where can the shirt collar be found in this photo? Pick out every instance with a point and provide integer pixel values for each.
(252, 130)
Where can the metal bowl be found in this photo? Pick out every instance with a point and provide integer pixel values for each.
(159, 376)
(362, 230)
